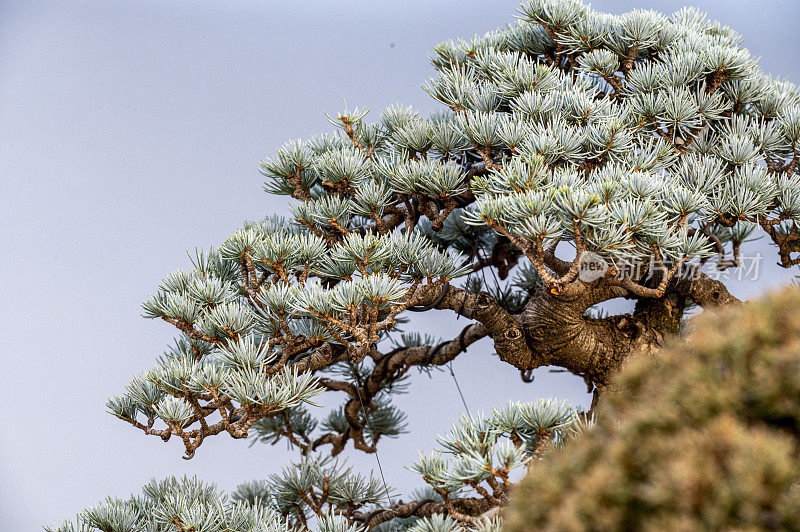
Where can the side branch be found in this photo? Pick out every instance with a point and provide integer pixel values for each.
(504, 328)
(707, 292)
(471, 506)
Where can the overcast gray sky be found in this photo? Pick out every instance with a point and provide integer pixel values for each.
(131, 132)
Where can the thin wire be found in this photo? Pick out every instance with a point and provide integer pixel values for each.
(452, 373)
(483, 274)
(366, 414)
(377, 456)
(380, 470)
(475, 254)
(496, 280)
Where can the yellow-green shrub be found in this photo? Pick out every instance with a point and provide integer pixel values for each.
(703, 436)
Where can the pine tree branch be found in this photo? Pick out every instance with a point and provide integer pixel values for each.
(468, 506)
(505, 329)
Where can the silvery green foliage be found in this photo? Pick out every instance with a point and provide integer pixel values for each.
(324, 492)
(630, 149)
(636, 136)
(436, 523)
(633, 136)
(177, 504)
(479, 449)
(336, 523)
(171, 391)
(382, 420)
(318, 485)
(443, 523)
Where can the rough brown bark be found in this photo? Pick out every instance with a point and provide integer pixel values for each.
(506, 329)
(560, 333)
(471, 506)
(554, 329)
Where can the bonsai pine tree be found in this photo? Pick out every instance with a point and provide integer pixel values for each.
(578, 156)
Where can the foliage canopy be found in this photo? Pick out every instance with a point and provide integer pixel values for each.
(648, 145)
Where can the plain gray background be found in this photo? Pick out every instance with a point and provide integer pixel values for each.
(131, 132)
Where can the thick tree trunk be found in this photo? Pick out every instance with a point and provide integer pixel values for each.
(560, 334)
(558, 330)
(554, 330)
